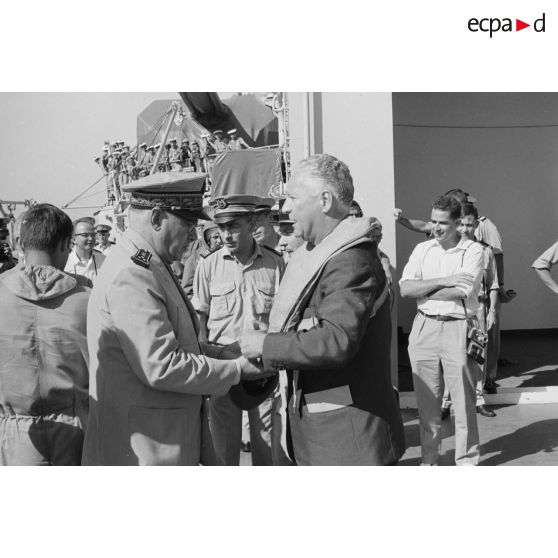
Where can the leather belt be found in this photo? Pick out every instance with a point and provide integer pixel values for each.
(439, 318)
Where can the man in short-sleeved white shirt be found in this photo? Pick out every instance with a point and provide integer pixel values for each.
(544, 263)
(444, 275)
(84, 259)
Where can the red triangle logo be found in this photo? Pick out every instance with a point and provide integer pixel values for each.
(519, 25)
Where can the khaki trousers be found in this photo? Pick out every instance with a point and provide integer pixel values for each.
(489, 369)
(55, 439)
(225, 424)
(438, 357)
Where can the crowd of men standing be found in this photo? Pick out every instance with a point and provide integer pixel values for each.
(120, 164)
(147, 351)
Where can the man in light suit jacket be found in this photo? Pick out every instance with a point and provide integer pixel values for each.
(147, 369)
(330, 330)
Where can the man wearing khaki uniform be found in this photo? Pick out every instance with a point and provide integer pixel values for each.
(234, 288)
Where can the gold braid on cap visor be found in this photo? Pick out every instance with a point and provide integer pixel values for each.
(172, 202)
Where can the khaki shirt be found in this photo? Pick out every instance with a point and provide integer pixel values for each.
(488, 233)
(236, 296)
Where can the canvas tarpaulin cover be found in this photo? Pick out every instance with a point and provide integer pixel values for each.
(251, 171)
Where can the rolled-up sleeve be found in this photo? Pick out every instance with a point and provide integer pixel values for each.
(547, 259)
(142, 325)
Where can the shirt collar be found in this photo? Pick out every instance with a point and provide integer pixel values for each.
(257, 253)
(463, 244)
(75, 258)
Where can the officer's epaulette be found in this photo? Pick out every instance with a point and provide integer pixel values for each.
(205, 252)
(98, 251)
(272, 250)
(142, 257)
(482, 218)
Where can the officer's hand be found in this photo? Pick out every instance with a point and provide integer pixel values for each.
(252, 371)
(462, 280)
(251, 343)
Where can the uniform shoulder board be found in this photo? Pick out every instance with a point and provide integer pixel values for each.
(205, 253)
(272, 250)
(96, 250)
(482, 218)
(142, 258)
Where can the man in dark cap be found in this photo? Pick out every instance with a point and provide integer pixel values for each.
(234, 289)
(148, 370)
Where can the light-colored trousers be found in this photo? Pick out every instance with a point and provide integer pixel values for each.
(225, 424)
(490, 367)
(55, 439)
(437, 351)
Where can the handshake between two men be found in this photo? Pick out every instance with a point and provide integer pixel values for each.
(249, 348)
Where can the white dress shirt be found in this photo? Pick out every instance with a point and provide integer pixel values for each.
(88, 268)
(430, 261)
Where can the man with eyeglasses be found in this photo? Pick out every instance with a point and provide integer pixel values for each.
(84, 259)
(148, 370)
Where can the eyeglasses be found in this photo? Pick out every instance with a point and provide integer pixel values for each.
(86, 235)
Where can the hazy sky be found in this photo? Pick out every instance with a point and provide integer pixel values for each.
(48, 142)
